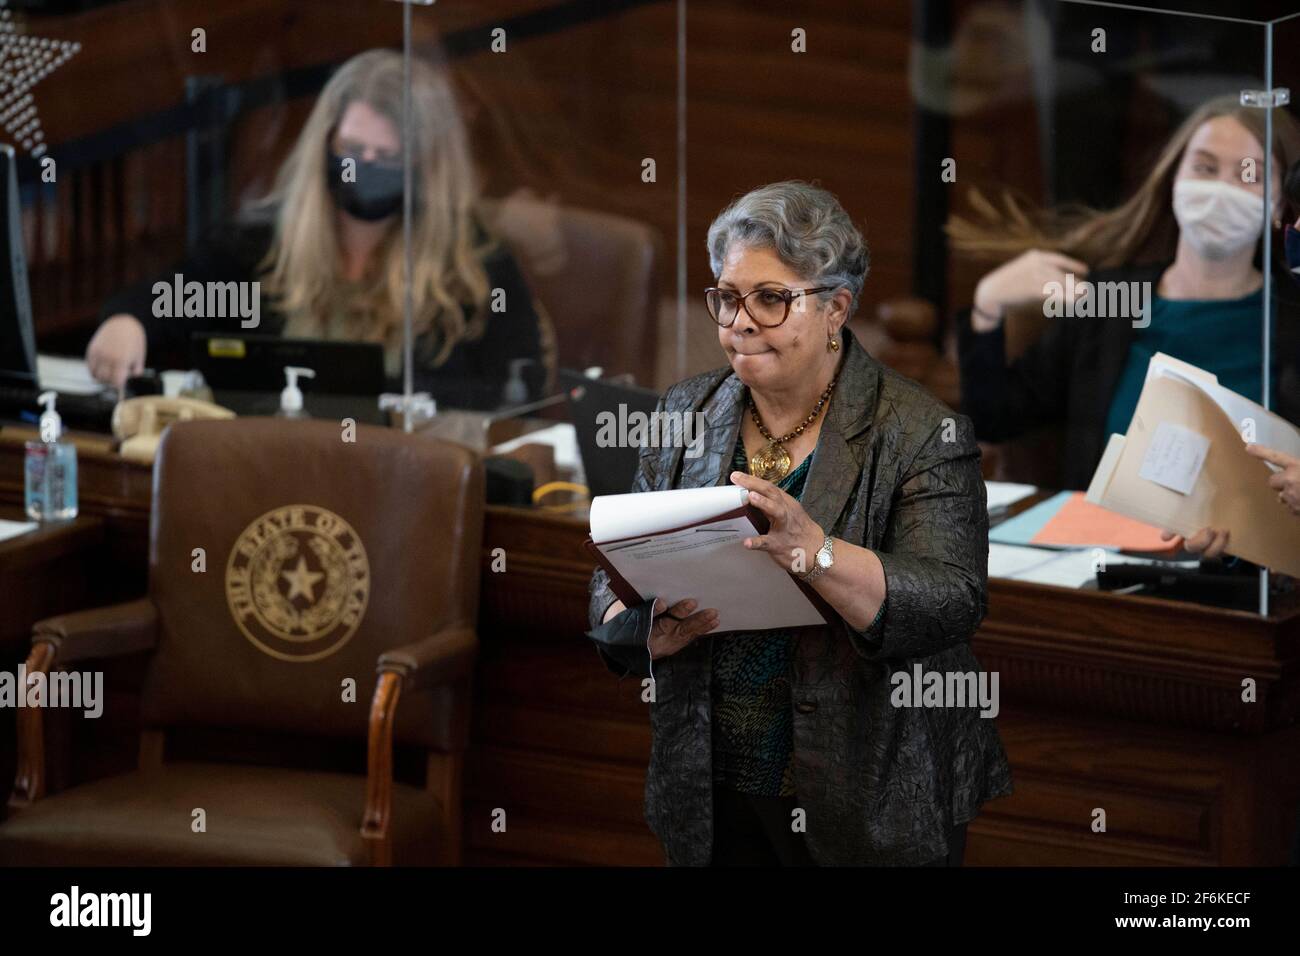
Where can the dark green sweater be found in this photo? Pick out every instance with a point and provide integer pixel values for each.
(753, 742)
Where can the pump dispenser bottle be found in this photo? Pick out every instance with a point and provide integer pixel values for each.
(291, 397)
(51, 469)
(515, 391)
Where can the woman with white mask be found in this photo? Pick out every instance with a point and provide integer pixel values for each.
(1181, 259)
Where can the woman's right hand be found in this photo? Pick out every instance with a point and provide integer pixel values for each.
(1019, 282)
(117, 350)
(668, 636)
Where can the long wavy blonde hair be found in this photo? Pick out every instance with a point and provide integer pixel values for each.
(449, 283)
(1139, 231)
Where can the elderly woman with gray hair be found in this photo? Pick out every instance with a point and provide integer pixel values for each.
(791, 747)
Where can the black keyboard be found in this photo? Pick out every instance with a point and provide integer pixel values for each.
(1236, 588)
(81, 412)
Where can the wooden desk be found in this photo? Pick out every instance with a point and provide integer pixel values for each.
(1130, 705)
(117, 492)
(47, 571)
(44, 572)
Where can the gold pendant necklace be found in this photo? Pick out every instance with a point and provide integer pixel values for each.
(772, 462)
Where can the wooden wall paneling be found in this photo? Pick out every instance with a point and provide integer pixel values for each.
(840, 114)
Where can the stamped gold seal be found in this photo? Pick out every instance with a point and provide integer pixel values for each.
(297, 582)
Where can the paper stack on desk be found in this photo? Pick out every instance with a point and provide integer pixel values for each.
(689, 543)
(1001, 495)
(1183, 465)
(71, 376)
(1069, 520)
(12, 529)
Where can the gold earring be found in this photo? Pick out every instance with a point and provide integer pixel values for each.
(832, 344)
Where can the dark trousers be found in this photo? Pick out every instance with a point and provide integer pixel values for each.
(755, 831)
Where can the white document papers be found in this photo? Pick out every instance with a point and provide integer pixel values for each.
(12, 529)
(688, 543)
(1175, 457)
(1270, 430)
(1004, 494)
(649, 512)
(1011, 560)
(1231, 491)
(1073, 568)
(563, 438)
(68, 375)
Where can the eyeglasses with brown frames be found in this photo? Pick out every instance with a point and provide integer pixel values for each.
(770, 309)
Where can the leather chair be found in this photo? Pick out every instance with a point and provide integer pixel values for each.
(326, 562)
(596, 275)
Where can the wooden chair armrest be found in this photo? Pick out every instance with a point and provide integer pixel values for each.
(29, 781)
(439, 659)
(379, 769)
(84, 635)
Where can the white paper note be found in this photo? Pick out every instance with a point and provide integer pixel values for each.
(1175, 457)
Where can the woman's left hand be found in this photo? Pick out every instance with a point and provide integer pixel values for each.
(793, 539)
(1209, 543)
(1286, 481)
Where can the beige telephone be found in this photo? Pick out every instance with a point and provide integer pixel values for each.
(139, 422)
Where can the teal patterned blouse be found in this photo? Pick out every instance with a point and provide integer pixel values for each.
(753, 729)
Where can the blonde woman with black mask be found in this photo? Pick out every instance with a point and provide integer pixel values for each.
(327, 249)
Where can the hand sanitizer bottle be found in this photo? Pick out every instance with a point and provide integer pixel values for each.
(51, 469)
(515, 391)
(291, 397)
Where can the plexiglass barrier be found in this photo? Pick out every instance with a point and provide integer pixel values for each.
(481, 197)
(1118, 281)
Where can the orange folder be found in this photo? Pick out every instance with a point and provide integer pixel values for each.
(1080, 523)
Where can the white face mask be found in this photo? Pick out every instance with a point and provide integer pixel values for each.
(1217, 219)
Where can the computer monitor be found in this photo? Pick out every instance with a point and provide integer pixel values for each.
(17, 334)
(609, 467)
(246, 374)
(256, 363)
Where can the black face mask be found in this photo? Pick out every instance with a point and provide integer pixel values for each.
(376, 194)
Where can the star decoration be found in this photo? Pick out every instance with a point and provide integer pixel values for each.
(24, 62)
(301, 581)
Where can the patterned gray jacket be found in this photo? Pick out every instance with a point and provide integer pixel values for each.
(895, 471)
